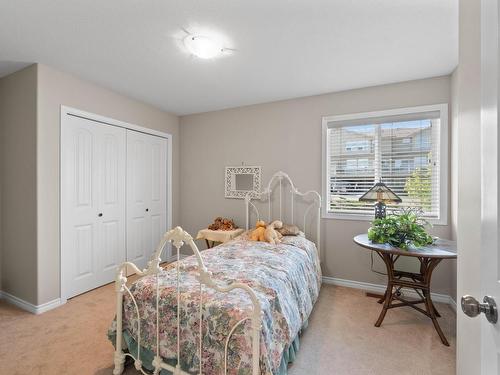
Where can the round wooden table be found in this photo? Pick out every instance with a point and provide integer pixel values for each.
(429, 257)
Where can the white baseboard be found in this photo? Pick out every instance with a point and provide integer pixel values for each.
(378, 288)
(27, 306)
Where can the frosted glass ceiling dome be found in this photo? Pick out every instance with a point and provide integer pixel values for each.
(203, 47)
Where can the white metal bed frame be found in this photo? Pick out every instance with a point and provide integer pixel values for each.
(178, 237)
(265, 196)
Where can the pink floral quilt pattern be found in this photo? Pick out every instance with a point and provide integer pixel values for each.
(285, 277)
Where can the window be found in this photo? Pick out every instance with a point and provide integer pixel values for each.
(407, 149)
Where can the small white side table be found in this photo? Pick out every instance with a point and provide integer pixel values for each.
(220, 236)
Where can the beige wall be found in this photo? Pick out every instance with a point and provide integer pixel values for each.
(18, 183)
(468, 227)
(286, 136)
(56, 88)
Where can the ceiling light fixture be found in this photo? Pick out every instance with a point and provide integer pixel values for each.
(203, 46)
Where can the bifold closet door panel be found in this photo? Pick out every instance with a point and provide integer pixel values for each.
(138, 172)
(93, 202)
(158, 197)
(146, 195)
(113, 201)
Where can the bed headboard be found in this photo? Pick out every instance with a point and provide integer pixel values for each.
(281, 200)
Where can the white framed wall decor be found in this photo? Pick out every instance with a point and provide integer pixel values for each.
(241, 181)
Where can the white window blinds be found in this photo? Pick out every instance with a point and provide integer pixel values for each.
(403, 151)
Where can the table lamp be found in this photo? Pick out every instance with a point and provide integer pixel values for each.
(380, 193)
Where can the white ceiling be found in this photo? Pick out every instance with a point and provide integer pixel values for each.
(284, 49)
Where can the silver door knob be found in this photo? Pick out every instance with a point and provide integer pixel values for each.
(471, 307)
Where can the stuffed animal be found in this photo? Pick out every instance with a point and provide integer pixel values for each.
(228, 224)
(258, 233)
(221, 223)
(271, 235)
(216, 224)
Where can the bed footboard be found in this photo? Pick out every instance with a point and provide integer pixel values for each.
(178, 237)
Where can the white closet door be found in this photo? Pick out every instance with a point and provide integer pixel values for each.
(112, 202)
(158, 200)
(93, 204)
(146, 195)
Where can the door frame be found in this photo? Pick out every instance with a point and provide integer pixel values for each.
(69, 111)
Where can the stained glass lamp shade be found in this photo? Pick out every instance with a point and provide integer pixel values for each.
(381, 194)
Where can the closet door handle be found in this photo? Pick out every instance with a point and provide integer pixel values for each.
(100, 214)
(147, 209)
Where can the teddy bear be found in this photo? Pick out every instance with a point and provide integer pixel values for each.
(228, 224)
(267, 233)
(216, 224)
(258, 233)
(222, 223)
(271, 235)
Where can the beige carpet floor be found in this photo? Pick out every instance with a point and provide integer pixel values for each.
(340, 339)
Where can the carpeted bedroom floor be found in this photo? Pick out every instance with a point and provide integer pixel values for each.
(340, 339)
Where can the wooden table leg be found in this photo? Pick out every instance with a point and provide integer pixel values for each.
(435, 310)
(382, 299)
(432, 263)
(425, 293)
(424, 263)
(385, 307)
(388, 292)
(210, 245)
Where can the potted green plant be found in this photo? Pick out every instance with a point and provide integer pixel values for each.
(403, 230)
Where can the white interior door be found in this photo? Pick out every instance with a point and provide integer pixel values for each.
(146, 195)
(490, 250)
(92, 204)
(479, 336)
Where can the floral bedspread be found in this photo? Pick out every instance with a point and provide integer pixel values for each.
(285, 277)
